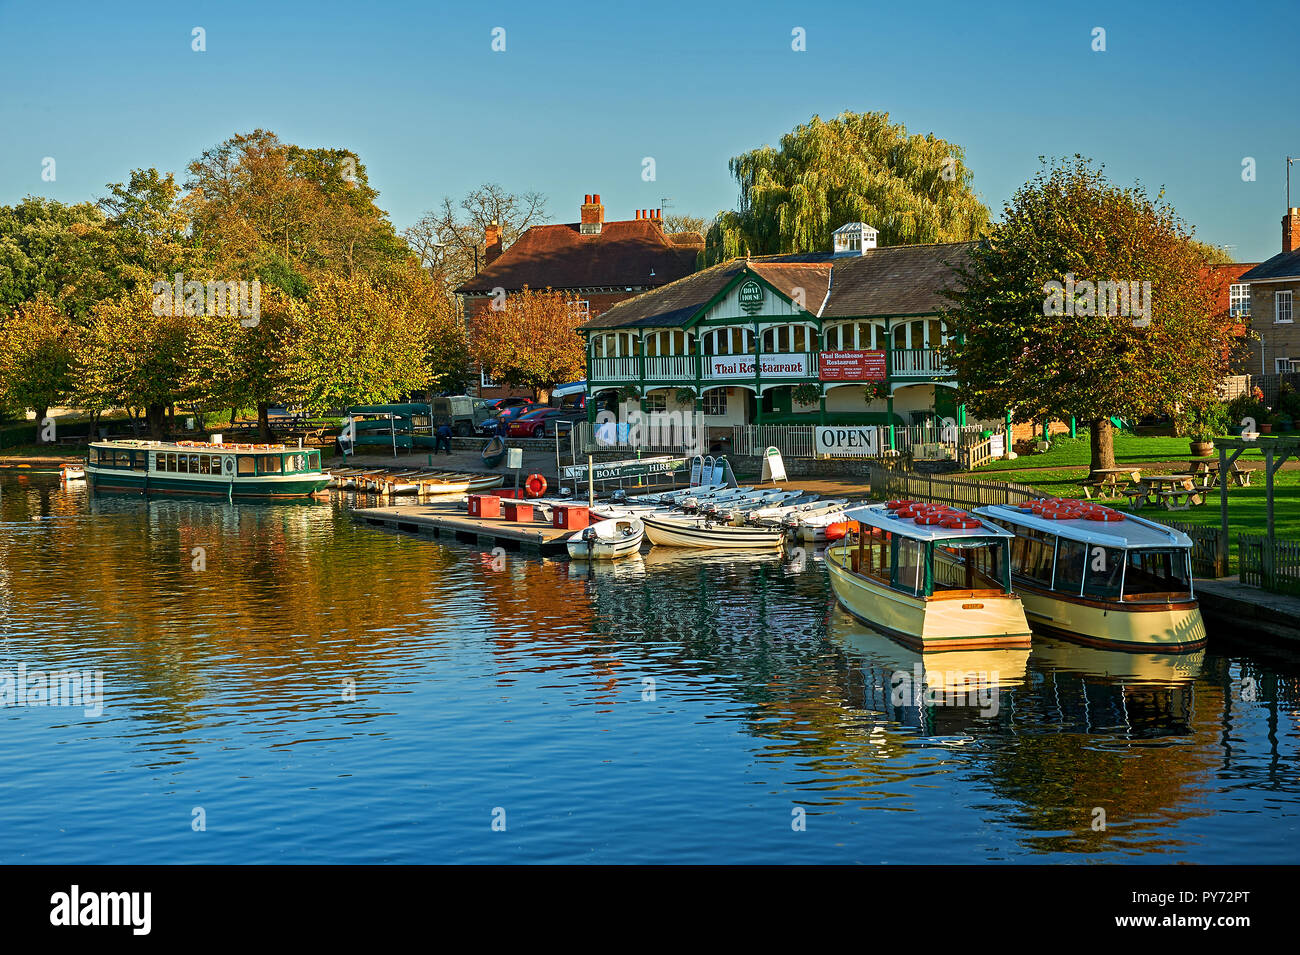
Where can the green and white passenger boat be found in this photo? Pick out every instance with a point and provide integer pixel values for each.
(268, 471)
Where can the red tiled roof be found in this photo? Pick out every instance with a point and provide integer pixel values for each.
(622, 255)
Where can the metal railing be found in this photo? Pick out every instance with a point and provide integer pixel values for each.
(918, 362)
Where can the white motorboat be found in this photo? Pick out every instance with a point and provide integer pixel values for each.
(607, 540)
(811, 528)
(698, 531)
(72, 472)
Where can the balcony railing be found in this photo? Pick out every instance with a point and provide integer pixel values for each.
(907, 363)
(919, 363)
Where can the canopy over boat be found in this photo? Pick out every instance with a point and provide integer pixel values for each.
(877, 515)
(1131, 533)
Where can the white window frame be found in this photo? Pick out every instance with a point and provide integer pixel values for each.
(1239, 300)
(715, 399)
(484, 381)
(1283, 366)
(656, 402)
(1278, 299)
(580, 308)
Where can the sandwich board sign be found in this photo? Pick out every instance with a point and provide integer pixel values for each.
(773, 466)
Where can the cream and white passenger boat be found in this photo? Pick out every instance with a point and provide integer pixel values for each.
(930, 577)
(263, 471)
(1104, 578)
(607, 540)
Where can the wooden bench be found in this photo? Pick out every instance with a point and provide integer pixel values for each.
(1137, 494)
(1181, 499)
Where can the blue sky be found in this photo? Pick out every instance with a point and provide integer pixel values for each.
(1182, 94)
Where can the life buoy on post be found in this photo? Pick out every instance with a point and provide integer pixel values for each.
(535, 486)
(228, 465)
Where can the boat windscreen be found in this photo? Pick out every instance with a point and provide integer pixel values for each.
(1157, 573)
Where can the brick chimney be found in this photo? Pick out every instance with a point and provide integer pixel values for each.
(1291, 230)
(492, 239)
(592, 215)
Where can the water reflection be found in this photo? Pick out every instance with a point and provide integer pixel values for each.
(715, 689)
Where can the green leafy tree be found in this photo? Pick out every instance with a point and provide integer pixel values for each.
(353, 343)
(134, 358)
(532, 342)
(858, 167)
(58, 250)
(1023, 343)
(37, 348)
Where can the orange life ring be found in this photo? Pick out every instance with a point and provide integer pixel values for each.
(535, 486)
(961, 523)
(895, 505)
(1105, 515)
(934, 517)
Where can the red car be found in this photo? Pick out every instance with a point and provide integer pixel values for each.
(533, 424)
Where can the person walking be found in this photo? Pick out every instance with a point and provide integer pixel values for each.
(443, 438)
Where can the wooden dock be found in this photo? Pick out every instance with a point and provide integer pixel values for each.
(450, 522)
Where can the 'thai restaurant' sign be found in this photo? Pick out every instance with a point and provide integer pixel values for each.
(773, 366)
(852, 365)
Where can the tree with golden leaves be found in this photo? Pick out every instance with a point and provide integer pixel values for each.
(37, 345)
(529, 340)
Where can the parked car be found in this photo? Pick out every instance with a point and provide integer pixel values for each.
(499, 423)
(538, 423)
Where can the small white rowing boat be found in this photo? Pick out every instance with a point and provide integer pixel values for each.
(72, 472)
(607, 540)
(687, 531)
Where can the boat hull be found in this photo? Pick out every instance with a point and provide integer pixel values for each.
(603, 550)
(268, 488)
(981, 622)
(1158, 627)
(690, 533)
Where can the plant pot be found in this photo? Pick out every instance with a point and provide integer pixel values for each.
(1202, 448)
(1265, 428)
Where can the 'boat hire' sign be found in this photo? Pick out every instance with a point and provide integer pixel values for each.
(774, 366)
(848, 442)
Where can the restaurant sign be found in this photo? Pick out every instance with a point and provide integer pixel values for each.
(773, 366)
(852, 365)
(847, 442)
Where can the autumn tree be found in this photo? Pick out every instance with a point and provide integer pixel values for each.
(37, 347)
(352, 343)
(858, 167)
(239, 363)
(681, 222)
(134, 358)
(285, 214)
(432, 307)
(531, 341)
(148, 228)
(448, 240)
(1034, 332)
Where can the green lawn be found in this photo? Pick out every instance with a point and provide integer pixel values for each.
(1245, 504)
(1129, 449)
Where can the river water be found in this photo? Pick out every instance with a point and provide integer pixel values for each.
(280, 684)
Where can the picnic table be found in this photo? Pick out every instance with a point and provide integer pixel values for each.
(1106, 482)
(1208, 472)
(1177, 492)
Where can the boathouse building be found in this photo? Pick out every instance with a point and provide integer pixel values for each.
(845, 337)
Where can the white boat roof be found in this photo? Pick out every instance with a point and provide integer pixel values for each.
(1132, 533)
(877, 515)
(189, 446)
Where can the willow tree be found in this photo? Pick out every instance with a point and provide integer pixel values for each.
(1091, 301)
(858, 167)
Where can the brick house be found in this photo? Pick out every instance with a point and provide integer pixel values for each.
(1274, 286)
(594, 263)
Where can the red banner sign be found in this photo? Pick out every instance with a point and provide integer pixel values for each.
(852, 365)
